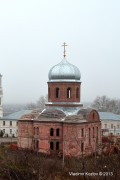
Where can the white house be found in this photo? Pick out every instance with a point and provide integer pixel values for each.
(110, 123)
(9, 124)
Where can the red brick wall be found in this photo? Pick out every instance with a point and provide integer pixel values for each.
(71, 133)
(73, 138)
(63, 91)
(45, 138)
(93, 116)
(25, 134)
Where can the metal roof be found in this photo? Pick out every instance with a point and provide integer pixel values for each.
(17, 115)
(64, 114)
(109, 116)
(64, 72)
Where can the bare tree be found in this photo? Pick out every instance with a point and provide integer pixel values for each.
(31, 106)
(41, 102)
(103, 103)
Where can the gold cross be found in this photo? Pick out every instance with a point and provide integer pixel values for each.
(64, 44)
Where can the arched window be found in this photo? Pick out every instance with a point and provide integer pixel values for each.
(57, 146)
(68, 92)
(51, 145)
(57, 92)
(57, 132)
(51, 132)
(77, 92)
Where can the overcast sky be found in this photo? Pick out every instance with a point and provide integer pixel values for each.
(31, 35)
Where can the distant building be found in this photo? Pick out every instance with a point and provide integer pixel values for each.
(64, 127)
(1, 97)
(110, 123)
(9, 124)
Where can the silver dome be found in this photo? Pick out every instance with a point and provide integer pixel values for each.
(65, 72)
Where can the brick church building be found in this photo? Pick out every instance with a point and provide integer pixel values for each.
(65, 126)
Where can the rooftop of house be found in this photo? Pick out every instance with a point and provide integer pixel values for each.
(109, 116)
(17, 115)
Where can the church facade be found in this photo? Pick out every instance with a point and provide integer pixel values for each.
(65, 127)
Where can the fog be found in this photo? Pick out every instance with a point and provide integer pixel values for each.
(31, 35)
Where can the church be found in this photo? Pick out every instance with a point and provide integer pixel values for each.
(64, 127)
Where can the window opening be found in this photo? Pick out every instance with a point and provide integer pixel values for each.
(69, 93)
(51, 145)
(57, 146)
(82, 147)
(37, 144)
(57, 92)
(57, 132)
(51, 132)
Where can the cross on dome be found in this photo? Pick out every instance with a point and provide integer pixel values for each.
(64, 44)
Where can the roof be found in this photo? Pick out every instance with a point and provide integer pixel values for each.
(109, 116)
(64, 72)
(67, 115)
(17, 115)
